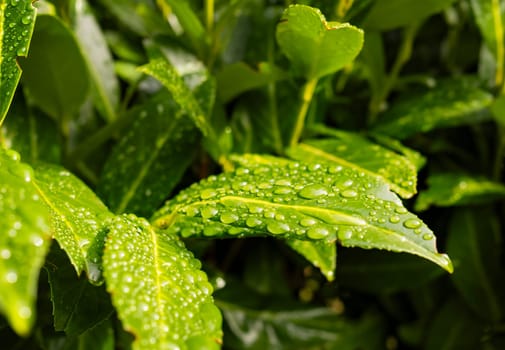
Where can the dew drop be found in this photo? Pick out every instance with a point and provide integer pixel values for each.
(276, 227)
(253, 222)
(412, 223)
(26, 19)
(401, 210)
(347, 234)
(427, 237)
(318, 232)
(25, 312)
(313, 191)
(306, 222)
(5, 253)
(394, 219)
(282, 190)
(11, 277)
(228, 218)
(208, 193)
(349, 193)
(208, 212)
(283, 182)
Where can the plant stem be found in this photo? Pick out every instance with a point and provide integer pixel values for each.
(272, 101)
(307, 94)
(403, 56)
(209, 15)
(500, 153)
(500, 54)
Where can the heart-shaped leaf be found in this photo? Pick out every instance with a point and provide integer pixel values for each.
(16, 26)
(158, 289)
(308, 201)
(24, 241)
(314, 46)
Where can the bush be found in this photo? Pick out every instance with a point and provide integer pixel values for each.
(143, 133)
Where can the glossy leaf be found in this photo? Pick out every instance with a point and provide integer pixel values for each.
(354, 151)
(55, 60)
(475, 245)
(451, 102)
(485, 19)
(390, 14)
(24, 241)
(309, 201)
(182, 95)
(78, 306)
(158, 289)
(99, 60)
(77, 213)
(454, 189)
(321, 254)
(150, 159)
(16, 26)
(375, 272)
(316, 47)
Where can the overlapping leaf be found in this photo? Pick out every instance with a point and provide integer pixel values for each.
(453, 189)
(24, 241)
(158, 289)
(316, 47)
(77, 214)
(17, 19)
(321, 254)
(308, 201)
(451, 102)
(150, 159)
(351, 150)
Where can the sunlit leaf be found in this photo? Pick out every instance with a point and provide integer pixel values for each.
(158, 289)
(321, 254)
(77, 213)
(475, 243)
(309, 201)
(354, 151)
(314, 46)
(453, 189)
(150, 159)
(16, 26)
(453, 102)
(24, 241)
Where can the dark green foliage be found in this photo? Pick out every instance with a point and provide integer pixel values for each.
(252, 174)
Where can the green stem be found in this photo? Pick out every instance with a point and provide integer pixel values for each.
(500, 54)
(209, 15)
(307, 94)
(500, 154)
(272, 101)
(403, 56)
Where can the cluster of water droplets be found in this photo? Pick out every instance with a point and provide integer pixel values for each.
(157, 285)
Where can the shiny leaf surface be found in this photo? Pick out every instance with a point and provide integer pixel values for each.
(158, 289)
(455, 189)
(17, 19)
(316, 47)
(309, 201)
(24, 241)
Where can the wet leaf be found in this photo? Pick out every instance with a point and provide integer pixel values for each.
(452, 102)
(316, 47)
(158, 289)
(16, 27)
(182, 95)
(475, 243)
(354, 151)
(55, 60)
(390, 14)
(98, 57)
(24, 241)
(150, 159)
(321, 254)
(77, 213)
(309, 201)
(455, 189)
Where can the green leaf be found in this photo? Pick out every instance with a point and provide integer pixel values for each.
(308, 201)
(77, 213)
(155, 152)
(55, 61)
(78, 306)
(415, 157)
(376, 272)
(475, 243)
(451, 102)
(321, 254)
(182, 95)
(16, 27)
(316, 47)
(158, 289)
(454, 189)
(99, 61)
(24, 241)
(237, 78)
(354, 151)
(390, 14)
(489, 28)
